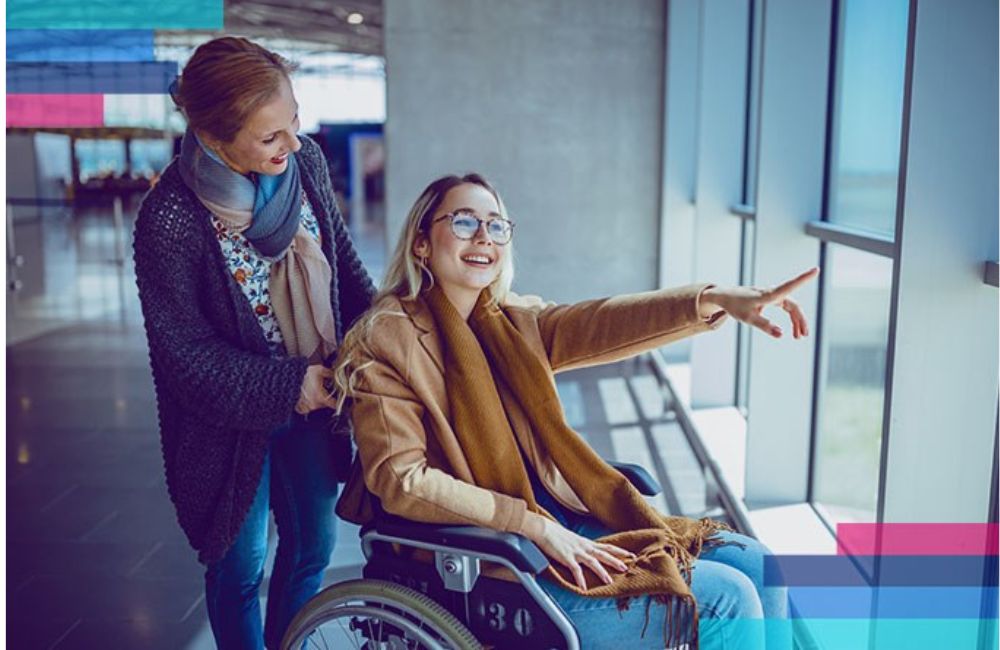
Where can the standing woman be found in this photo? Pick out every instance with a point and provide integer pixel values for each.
(248, 280)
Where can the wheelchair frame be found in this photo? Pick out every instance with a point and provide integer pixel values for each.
(458, 554)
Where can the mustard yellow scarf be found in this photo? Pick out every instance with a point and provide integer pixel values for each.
(665, 546)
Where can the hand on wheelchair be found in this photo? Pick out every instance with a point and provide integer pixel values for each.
(576, 552)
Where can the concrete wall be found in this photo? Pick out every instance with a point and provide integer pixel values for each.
(560, 104)
(942, 429)
(790, 163)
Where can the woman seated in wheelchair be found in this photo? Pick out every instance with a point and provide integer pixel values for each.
(457, 421)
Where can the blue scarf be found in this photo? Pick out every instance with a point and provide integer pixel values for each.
(266, 212)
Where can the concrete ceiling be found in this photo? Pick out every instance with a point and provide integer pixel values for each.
(319, 25)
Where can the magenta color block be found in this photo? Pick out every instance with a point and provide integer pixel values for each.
(917, 539)
(55, 110)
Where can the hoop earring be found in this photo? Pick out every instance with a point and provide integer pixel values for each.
(422, 263)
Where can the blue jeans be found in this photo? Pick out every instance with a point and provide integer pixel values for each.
(736, 611)
(298, 483)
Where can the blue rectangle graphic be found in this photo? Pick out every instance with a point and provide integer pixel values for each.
(51, 45)
(887, 602)
(893, 570)
(114, 14)
(127, 77)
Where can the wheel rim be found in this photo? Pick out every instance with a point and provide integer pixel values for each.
(362, 622)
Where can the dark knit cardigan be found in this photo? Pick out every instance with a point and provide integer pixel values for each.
(219, 390)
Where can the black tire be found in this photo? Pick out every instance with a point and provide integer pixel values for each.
(380, 605)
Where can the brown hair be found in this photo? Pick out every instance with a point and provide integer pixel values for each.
(225, 81)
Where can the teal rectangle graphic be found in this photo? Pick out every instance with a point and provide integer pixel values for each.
(107, 14)
(856, 634)
(897, 634)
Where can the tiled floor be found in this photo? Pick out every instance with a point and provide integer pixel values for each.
(95, 557)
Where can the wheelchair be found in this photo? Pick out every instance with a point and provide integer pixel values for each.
(450, 604)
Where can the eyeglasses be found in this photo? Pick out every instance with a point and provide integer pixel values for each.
(465, 225)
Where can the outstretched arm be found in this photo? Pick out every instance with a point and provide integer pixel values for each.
(610, 329)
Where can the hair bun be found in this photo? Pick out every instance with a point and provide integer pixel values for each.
(175, 91)
(224, 82)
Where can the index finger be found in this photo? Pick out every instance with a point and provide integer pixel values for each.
(791, 285)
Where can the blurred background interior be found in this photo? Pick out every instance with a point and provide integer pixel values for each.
(638, 144)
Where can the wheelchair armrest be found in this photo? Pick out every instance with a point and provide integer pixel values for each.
(639, 477)
(516, 549)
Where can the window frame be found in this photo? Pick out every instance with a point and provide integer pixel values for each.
(827, 232)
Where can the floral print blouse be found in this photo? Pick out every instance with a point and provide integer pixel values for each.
(252, 271)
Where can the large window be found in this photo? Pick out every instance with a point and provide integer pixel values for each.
(852, 387)
(100, 158)
(149, 157)
(868, 114)
(858, 239)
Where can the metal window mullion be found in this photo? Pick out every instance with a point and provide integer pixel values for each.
(743, 211)
(991, 273)
(890, 351)
(733, 506)
(819, 388)
(876, 244)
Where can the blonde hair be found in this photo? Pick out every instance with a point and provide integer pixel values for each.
(405, 277)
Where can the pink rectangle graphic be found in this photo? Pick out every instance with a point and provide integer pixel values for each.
(55, 110)
(917, 539)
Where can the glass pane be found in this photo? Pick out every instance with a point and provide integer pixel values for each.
(149, 157)
(150, 111)
(869, 112)
(100, 158)
(854, 339)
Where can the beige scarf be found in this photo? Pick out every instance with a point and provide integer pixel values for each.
(299, 285)
(665, 547)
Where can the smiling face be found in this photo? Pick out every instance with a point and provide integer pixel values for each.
(266, 139)
(462, 267)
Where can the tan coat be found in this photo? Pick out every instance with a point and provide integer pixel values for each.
(409, 453)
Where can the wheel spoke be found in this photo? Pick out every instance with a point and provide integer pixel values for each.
(381, 627)
(323, 636)
(371, 633)
(349, 635)
(376, 615)
(421, 626)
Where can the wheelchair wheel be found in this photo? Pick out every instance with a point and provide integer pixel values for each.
(376, 615)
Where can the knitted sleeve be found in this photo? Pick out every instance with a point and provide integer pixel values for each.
(192, 362)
